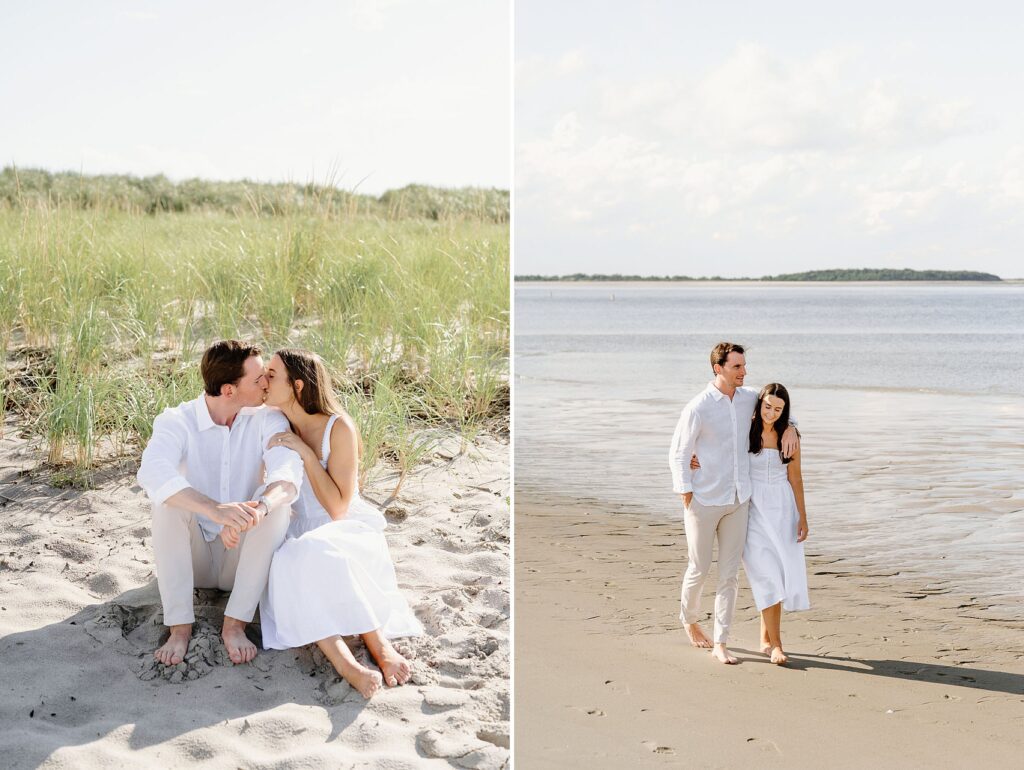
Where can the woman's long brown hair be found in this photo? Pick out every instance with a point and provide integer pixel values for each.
(757, 422)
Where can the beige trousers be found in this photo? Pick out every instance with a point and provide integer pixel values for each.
(185, 560)
(703, 523)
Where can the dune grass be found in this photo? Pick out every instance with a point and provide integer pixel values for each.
(105, 310)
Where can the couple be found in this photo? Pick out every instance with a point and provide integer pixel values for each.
(317, 576)
(739, 477)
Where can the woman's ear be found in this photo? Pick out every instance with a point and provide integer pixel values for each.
(298, 385)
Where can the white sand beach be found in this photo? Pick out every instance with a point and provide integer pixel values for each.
(80, 618)
(886, 670)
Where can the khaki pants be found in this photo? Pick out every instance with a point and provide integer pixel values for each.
(703, 523)
(185, 560)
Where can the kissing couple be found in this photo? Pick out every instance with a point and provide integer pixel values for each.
(254, 486)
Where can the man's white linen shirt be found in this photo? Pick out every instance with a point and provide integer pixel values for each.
(188, 449)
(717, 430)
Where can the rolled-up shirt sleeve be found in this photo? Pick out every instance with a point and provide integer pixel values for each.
(281, 463)
(683, 442)
(160, 470)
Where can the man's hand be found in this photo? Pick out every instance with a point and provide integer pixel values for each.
(230, 537)
(687, 497)
(790, 442)
(241, 516)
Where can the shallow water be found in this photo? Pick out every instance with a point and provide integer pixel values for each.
(910, 400)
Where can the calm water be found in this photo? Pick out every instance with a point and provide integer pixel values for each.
(910, 398)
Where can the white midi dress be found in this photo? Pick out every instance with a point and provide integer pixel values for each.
(333, 577)
(772, 558)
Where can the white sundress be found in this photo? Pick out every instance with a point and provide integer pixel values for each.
(333, 577)
(772, 558)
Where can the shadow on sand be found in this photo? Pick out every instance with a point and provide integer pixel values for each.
(905, 670)
(92, 674)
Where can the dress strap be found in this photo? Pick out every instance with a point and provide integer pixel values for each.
(325, 447)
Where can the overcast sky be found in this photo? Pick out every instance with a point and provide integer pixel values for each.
(396, 91)
(756, 138)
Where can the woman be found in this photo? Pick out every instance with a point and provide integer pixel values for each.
(773, 556)
(333, 575)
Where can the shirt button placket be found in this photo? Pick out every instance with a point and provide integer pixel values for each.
(225, 465)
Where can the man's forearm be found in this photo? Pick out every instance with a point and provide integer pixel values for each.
(192, 500)
(280, 493)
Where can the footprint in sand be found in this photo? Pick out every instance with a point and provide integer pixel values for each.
(655, 748)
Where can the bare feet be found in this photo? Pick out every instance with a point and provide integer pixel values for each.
(697, 636)
(721, 654)
(766, 647)
(779, 657)
(174, 649)
(396, 669)
(240, 649)
(367, 681)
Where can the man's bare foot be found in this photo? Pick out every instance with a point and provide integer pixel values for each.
(174, 649)
(240, 649)
(779, 657)
(721, 654)
(396, 669)
(697, 636)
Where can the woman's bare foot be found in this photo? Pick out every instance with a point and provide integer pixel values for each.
(239, 648)
(766, 647)
(176, 646)
(367, 681)
(393, 665)
(697, 636)
(721, 654)
(779, 657)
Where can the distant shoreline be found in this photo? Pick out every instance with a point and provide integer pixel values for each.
(820, 276)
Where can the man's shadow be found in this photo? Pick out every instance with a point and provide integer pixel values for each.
(903, 670)
(92, 674)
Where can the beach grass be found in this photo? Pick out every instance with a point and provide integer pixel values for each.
(106, 308)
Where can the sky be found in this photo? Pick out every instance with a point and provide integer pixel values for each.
(749, 139)
(367, 94)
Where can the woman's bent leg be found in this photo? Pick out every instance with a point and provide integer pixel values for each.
(367, 682)
(395, 668)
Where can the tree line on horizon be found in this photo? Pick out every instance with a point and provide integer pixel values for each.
(849, 274)
(157, 194)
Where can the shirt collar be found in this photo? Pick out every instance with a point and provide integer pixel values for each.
(203, 418)
(715, 392)
(203, 412)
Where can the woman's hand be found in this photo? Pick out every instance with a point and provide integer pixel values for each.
(694, 464)
(801, 530)
(289, 440)
(230, 537)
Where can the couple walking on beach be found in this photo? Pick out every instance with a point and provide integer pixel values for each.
(225, 473)
(735, 461)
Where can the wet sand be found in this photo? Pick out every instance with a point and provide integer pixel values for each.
(886, 669)
(80, 617)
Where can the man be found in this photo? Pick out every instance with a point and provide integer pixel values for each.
(716, 426)
(200, 468)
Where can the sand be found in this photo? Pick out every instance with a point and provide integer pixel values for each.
(80, 617)
(886, 671)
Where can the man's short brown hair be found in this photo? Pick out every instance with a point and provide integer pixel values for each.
(721, 352)
(224, 363)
